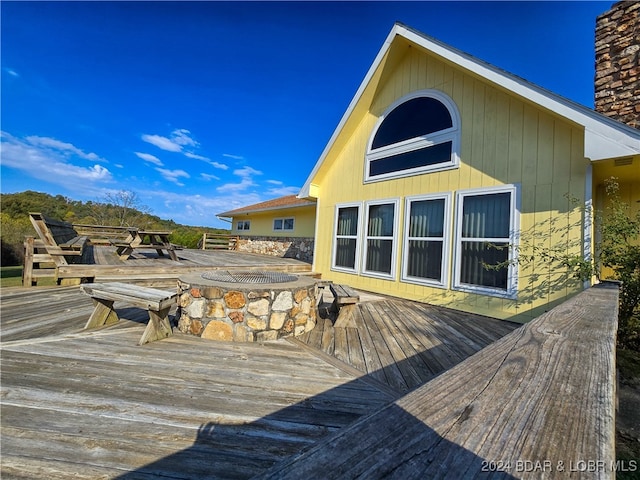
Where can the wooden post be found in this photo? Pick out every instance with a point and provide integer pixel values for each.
(204, 241)
(27, 271)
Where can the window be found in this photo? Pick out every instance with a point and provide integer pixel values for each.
(345, 246)
(380, 238)
(417, 134)
(283, 224)
(244, 225)
(426, 239)
(487, 221)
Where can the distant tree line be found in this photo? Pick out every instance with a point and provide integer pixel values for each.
(120, 209)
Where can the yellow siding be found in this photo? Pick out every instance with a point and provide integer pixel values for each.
(262, 223)
(505, 140)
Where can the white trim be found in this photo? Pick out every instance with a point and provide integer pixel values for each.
(446, 241)
(514, 233)
(394, 238)
(273, 224)
(357, 236)
(451, 134)
(315, 235)
(587, 224)
(603, 137)
(244, 222)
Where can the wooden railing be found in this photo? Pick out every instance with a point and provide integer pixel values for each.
(538, 403)
(218, 241)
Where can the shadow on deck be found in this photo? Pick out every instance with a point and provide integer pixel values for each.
(92, 404)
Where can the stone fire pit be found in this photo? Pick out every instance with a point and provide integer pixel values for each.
(246, 306)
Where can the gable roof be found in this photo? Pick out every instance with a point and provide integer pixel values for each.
(604, 137)
(280, 203)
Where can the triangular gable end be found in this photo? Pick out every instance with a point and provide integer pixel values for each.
(604, 138)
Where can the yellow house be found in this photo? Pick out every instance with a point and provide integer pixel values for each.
(452, 182)
(283, 226)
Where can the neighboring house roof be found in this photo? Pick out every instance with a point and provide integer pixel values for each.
(604, 138)
(289, 201)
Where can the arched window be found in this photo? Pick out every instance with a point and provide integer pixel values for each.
(418, 133)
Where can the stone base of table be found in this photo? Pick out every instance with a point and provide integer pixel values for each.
(246, 312)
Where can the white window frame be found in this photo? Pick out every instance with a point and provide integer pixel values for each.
(446, 241)
(283, 220)
(514, 233)
(356, 237)
(246, 225)
(394, 238)
(451, 134)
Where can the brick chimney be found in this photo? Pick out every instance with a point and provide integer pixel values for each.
(617, 82)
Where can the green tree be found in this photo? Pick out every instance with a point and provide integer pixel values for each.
(619, 250)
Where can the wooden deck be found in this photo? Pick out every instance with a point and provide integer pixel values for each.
(147, 268)
(404, 344)
(538, 403)
(92, 404)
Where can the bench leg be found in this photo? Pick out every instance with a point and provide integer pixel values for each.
(103, 314)
(158, 326)
(125, 253)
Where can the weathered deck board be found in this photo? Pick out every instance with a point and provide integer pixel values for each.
(405, 344)
(543, 394)
(94, 405)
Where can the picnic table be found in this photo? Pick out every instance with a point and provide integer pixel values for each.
(158, 240)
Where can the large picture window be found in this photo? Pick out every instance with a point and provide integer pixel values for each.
(380, 238)
(427, 221)
(345, 246)
(487, 222)
(417, 134)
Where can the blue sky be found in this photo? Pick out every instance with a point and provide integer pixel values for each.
(202, 107)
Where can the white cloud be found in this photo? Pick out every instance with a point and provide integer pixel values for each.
(195, 157)
(176, 142)
(246, 175)
(147, 157)
(162, 143)
(221, 166)
(11, 72)
(62, 148)
(49, 160)
(173, 175)
(275, 182)
(182, 137)
(195, 209)
(208, 177)
(283, 191)
(246, 172)
(236, 187)
(235, 157)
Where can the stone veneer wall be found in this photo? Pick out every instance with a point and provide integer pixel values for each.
(289, 247)
(257, 314)
(617, 82)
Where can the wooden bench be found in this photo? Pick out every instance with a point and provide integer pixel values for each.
(59, 244)
(344, 298)
(156, 302)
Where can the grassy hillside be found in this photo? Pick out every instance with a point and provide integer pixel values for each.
(121, 209)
